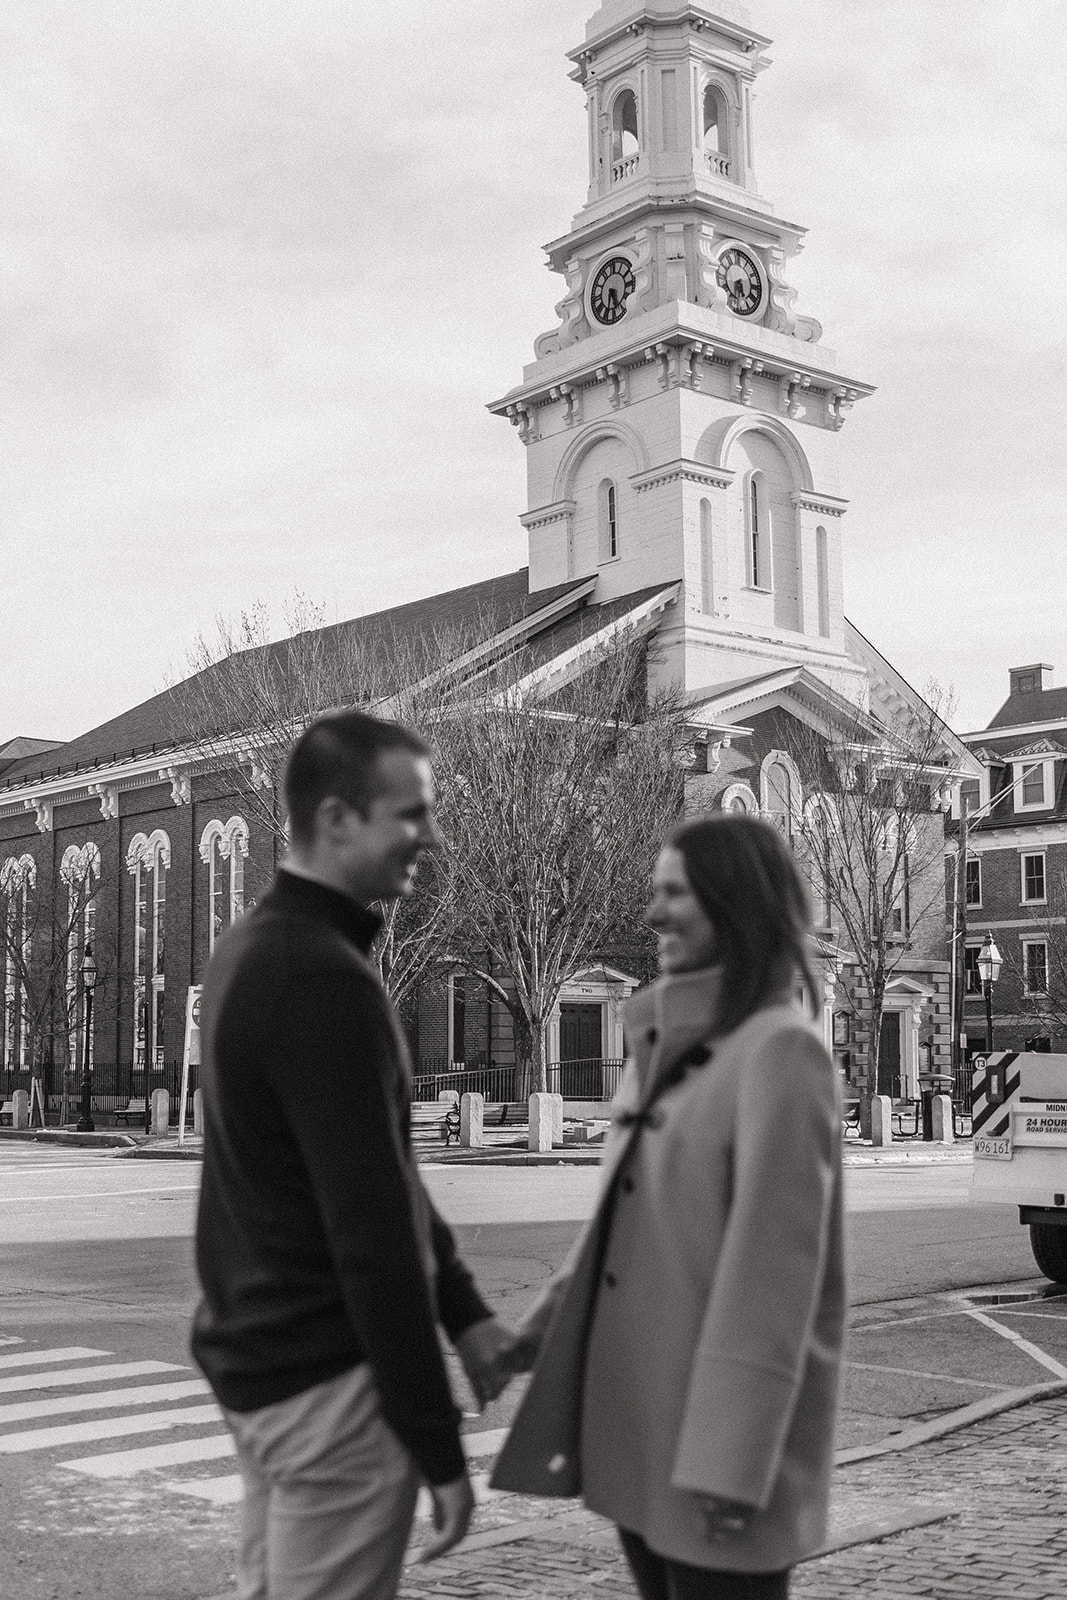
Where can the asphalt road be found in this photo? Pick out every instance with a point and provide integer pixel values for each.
(95, 1266)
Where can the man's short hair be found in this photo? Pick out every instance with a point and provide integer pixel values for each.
(338, 754)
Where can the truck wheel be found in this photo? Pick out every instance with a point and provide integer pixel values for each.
(1048, 1241)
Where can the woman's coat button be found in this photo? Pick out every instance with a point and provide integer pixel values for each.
(610, 1279)
(651, 1035)
(628, 1185)
(557, 1463)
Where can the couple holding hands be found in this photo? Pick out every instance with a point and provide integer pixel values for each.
(685, 1359)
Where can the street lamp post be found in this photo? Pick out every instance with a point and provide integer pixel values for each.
(989, 964)
(88, 971)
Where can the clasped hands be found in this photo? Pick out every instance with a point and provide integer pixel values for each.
(492, 1354)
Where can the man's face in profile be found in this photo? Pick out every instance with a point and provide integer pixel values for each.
(385, 841)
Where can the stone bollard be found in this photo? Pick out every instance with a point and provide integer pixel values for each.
(198, 1111)
(160, 1112)
(881, 1119)
(941, 1117)
(20, 1109)
(540, 1122)
(557, 1119)
(471, 1121)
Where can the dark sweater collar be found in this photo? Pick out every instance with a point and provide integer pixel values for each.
(310, 898)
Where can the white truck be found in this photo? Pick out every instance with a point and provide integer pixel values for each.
(1019, 1122)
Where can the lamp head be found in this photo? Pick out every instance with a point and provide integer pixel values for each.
(88, 968)
(989, 961)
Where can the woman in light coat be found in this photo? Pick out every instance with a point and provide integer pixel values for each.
(689, 1353)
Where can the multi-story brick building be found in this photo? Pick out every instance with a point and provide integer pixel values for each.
(1015, 886)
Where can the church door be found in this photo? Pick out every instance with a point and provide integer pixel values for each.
(581, 1046)
(889, 1055)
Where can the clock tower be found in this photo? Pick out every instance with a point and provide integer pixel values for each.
(681, 422)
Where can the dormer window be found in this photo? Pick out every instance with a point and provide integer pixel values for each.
(716, 135)
(625, 143)
(1034, 778)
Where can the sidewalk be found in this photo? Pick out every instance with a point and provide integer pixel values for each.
(978, 1513)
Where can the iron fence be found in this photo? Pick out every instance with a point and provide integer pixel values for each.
(594, 1079)
(114, 1085)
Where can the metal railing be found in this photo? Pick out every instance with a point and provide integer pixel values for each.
(594, 1079)
(114, 1085)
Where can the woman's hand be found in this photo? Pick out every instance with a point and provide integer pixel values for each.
(723, 1519)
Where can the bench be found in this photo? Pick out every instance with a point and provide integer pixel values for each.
(912, 1110)
(440, 1115)
(8, 1110)
(850, 1120)
(132, 1108)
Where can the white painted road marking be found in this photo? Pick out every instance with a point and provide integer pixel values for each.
(41, 1358)
(72, 1375)
(126, 1463)
(219, 1491)
(100, 1194)
(147, 1394)
(106, 1428)
(1042, 1357)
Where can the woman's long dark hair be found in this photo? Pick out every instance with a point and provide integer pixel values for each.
(744, 875)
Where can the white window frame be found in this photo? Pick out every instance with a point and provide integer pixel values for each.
(148, 861)
(78, 864)
(18, 876)
(972, 861)
(759, 569)
(228, 841)
(779, 758)
(1028, 945)
(1024, 898)
(1020, 771)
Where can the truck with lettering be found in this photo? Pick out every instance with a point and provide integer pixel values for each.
(1019, 1122)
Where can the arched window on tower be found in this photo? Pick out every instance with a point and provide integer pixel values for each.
(625, 141)
(707, 561)
(608, 519)
(822, 578)
(758, 532)
(716, 132)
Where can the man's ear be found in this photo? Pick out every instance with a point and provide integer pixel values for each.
(331, 815)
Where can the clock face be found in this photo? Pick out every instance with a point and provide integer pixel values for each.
(613, 283)
(739, 275)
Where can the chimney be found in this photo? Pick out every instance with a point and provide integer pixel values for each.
(1030, 680)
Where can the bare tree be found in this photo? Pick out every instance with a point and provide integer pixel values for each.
(554, 805)
(872, 840)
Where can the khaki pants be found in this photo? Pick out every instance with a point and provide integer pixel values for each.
(329, 1495)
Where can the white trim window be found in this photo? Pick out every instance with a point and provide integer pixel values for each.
(1035, 782)
(973, 881)
(1032, 888)
(780, 793)
(80, 871)
(224, 851)
(148, 861)
(1035, 967)
(758, 533)
(18, 876)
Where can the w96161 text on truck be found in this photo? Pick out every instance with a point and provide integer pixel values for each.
(1019, 1121)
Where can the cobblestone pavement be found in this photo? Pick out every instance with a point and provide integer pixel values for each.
(981, 1513)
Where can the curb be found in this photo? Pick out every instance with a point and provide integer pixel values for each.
(99, 1141)
(951, 1422)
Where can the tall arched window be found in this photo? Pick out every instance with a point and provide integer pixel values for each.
(716, 132)
(758, 532)
(608, 520)
(780, 792)
(625, 141)
(822, 578)
(18, 876)
(707, 553)
(80, 872)
(223, 850)
(148, 861)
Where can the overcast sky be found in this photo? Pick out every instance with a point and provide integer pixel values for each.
(263, 264)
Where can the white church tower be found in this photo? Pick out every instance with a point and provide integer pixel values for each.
(681, 423)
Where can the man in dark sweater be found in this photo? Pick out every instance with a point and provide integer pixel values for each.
(323, 1264)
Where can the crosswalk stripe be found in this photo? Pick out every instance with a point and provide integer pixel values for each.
(146, 1394)
(73, 1375)
(11, 1338)
(125, 1463)
(41, 1358)
(106, 1428)
(219, 1491)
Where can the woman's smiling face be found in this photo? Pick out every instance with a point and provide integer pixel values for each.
(686, 937)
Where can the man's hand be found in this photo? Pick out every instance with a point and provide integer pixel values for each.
(453, 1505)
(485, 1351)
(723, 1519)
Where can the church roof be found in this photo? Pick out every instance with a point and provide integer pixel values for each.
(492, 607)
(1040, 705)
